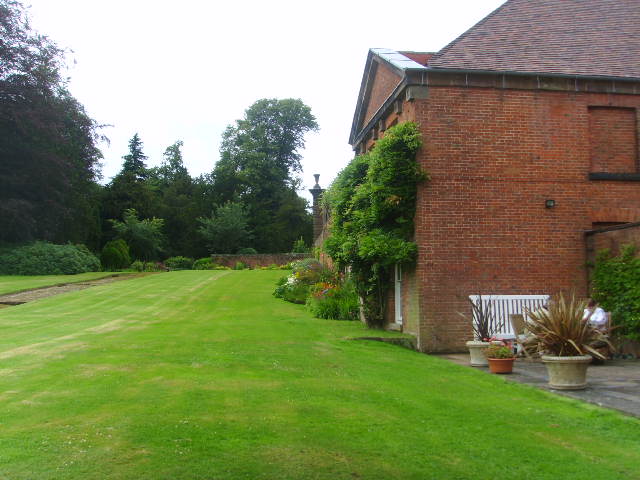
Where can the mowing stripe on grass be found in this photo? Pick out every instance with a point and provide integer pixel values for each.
(201, 375)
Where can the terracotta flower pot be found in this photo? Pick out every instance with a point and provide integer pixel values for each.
(477, 352)
(501, 365)
(567, 373)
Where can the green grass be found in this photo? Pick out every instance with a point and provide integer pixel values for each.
(204, 375)
(18, 283)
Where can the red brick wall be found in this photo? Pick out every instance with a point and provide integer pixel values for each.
(384, 82)
(258, 259)
(494, 157)
(407, 114)
(613, 139)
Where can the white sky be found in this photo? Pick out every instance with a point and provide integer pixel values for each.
(185, 70)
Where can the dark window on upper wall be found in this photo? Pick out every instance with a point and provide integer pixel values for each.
(613, 139)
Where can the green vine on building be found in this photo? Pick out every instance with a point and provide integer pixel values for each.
(372, 204)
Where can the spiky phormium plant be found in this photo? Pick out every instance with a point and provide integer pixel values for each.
(560, 330)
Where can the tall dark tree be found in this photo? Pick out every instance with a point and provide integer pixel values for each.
(177, 204)
(226, 230)
(49, 159)
(145, 238)
(134, 160)
(172, 168)
(129, 189)
(259, 162)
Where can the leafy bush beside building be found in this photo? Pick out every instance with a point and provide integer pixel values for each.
(326, 293)
(337, 300)
(372, 203)
(616, 287)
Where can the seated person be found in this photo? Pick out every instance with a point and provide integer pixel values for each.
(595, 315)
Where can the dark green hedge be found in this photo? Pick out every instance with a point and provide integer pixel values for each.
(42, 258)
(115, 255)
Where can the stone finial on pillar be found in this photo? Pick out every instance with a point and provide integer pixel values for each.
(316, 193)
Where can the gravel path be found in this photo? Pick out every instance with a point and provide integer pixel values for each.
(43, 292)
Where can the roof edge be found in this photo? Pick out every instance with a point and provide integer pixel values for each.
(524, 73)
(396, 61)
(422, 78)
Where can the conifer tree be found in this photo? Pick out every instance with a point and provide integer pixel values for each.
(134, 160)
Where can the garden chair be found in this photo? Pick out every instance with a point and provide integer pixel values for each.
(603, 347)
(607, 326)
(519, 327)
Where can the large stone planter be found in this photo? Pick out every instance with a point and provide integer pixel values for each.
(567, 373)
(477, 351)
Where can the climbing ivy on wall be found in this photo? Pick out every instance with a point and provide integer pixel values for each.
(372, 204)
(616, 287)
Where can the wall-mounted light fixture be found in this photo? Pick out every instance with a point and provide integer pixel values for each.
(549, 203)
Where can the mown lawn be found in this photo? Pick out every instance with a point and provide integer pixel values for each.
(204, 375)
(18, 283)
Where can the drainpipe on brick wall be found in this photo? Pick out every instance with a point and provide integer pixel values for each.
(316, 192)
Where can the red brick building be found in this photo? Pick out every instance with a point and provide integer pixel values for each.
(530, 130)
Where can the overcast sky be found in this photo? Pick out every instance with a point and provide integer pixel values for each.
(185, 70)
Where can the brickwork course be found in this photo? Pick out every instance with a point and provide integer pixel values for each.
(536, 103)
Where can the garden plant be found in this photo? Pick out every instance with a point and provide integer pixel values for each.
(559, 329)
(567, 342)
(305, 273)
(335, 299)
(616, 287)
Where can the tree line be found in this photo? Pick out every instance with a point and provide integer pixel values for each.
(50, 168)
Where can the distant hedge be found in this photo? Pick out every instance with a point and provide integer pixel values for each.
(115, 255)
(43, 258)
(179, 263)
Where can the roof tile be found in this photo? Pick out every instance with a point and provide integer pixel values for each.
(573, 37)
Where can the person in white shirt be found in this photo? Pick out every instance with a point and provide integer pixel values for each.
(595, 315)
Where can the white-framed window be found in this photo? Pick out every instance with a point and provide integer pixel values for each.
(398, 294)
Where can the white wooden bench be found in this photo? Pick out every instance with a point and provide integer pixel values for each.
(504, 305)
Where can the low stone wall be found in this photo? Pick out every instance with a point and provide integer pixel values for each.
(258, 259)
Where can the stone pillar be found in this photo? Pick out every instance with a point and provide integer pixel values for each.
(316, 192)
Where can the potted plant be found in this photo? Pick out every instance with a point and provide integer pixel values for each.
(500, 358)
(484, 328)
(564, 339)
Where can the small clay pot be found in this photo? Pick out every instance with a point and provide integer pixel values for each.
(501, 365)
